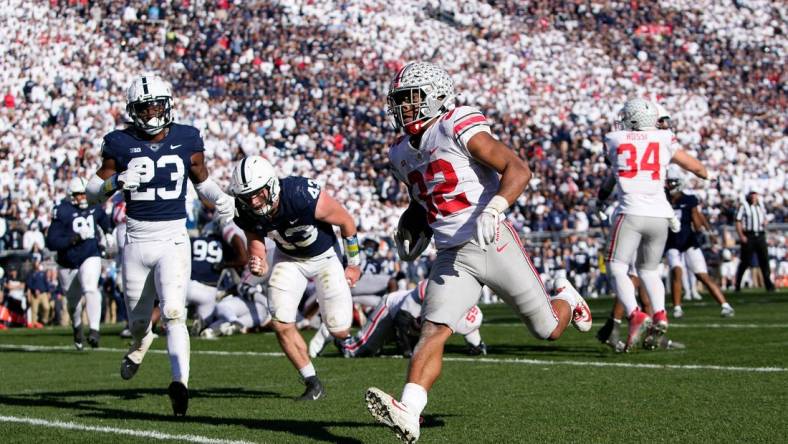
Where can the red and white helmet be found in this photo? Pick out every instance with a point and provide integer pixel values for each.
(421, 85)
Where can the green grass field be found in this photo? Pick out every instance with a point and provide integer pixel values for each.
(729, 385)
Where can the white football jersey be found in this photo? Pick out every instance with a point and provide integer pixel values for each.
(639, 160)
(444, 178)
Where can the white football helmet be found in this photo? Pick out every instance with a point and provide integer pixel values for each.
(663, 117)
(250, 176)
(422, 87)
(674, 181)
(638, 115)
(77, 186)
(149, 103)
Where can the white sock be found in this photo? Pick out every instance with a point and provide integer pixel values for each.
(625, 290)
(414, 397)
(178, 348)
(654, 287)
(307, 371)
(726, 305)
(93, 305)
(474, 338)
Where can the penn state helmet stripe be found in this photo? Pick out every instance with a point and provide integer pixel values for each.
(243, 170)
(145, 85)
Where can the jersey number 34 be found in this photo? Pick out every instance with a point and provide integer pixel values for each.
(649, 161)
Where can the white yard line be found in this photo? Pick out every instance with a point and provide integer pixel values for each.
(672, 325)
(117, 431)
(447, 359)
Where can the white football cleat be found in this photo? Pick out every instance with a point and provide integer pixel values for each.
(727, 312)
(389, 412)
(678, 312)
(581, 314)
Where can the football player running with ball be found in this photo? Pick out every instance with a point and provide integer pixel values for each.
(149, 162)
(639, 154)
(299, 217)
(461, 181)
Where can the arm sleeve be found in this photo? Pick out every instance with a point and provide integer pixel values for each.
(209, 190)
(740, 213)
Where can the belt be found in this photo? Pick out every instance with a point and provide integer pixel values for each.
(753, 233)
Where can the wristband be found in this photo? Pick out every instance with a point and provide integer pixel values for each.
(110, 185)
(352, 252)
(498, 204)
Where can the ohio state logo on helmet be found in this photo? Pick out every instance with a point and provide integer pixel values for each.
(419, 92)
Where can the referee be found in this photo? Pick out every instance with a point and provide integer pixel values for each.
(751, 225)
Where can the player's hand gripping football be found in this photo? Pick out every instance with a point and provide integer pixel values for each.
(258, 266)
(352, 275)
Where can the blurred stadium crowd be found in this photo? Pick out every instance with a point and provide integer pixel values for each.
(304, 82)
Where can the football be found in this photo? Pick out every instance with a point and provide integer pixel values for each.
(413, 224)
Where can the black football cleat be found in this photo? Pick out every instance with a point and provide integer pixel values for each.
(179, 396)
(477, 350)
(128, 368)
(314, 390)
(79, 338)
(93, 338)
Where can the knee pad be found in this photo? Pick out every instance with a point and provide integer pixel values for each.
(173, 315)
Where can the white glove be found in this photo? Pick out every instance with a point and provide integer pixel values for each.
(675, 224)
(225, 207)
(487, 222)
(258, 266)
(85, 232)
(129, 180)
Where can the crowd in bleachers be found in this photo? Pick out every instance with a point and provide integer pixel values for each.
(303, 83)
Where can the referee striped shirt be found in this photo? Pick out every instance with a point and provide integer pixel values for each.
(752, 216)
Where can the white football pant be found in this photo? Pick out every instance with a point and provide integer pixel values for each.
(82, 284)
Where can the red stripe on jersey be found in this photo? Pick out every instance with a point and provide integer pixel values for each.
(470, 120)
(448, 115)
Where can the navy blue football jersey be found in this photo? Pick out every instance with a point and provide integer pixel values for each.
(164, 168)
(207, 253)
(685, 238)
(62, 235)
(372, 265)
(294, 227)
